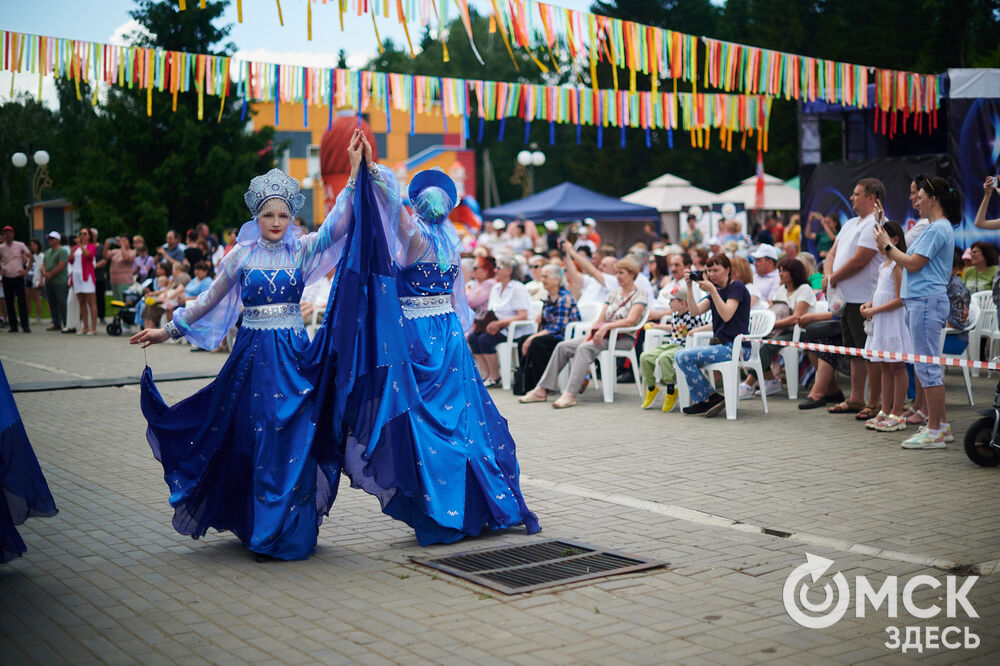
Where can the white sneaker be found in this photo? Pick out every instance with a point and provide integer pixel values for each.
(946, 433)
(924, 440)
(772, 386)
(745, 392)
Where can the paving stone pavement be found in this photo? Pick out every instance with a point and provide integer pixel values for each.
(107, 580)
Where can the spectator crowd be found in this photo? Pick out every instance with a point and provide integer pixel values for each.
(550, 298)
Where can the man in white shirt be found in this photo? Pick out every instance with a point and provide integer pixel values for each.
(589, 283)
(852, 266)
(765, 266)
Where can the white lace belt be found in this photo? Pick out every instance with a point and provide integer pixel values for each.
(273, 315)
(415, 307)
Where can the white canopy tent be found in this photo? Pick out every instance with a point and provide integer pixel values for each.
(777, 194)
(671, 196)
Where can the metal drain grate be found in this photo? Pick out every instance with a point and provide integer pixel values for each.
(516, 569)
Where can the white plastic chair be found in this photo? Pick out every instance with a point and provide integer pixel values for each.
(987, 328)
(606, 359)
(761, 323)
(507, 350)
(317, 318)
(588, 315)
(791, 355)
(973, 321)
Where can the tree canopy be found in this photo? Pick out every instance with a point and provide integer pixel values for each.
(129, 172)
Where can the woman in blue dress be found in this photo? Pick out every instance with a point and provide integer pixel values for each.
(239, 455)
(23, 490)
(420, 430)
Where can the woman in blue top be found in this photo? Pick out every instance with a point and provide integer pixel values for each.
(729, 301)
(926, 271)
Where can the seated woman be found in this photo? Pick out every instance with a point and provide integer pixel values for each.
(793, 299)
(558, 310)
(979, 276)
(483, 279)
(743, 272)
(622, 308)
(509, 301)
(729, 302)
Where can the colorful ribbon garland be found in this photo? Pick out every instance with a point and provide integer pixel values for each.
(178, 72)
(583, 36)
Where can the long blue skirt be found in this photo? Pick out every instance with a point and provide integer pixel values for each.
(238, 456)
(23, 490)
(446, 465)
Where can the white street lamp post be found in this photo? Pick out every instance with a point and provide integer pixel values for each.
(38, 180)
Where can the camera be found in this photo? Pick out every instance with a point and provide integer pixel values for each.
(697, 276)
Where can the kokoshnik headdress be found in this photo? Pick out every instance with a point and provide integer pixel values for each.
(433, 196)
(273, 184)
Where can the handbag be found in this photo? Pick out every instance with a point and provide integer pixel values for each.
(482, 319)
(817, 330)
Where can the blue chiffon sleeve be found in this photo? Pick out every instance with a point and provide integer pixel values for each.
(206, 321)
(319, 252)
(405, 238)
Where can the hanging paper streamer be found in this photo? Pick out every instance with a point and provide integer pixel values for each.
(176, 72)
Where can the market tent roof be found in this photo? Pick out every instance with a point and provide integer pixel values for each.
(568, 201)
(777, 194)
(671, 194)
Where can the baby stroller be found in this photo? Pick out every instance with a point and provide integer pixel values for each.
(126, 310)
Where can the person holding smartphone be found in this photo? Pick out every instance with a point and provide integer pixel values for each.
(927, 268)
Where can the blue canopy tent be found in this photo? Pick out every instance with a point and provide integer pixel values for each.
(618, 222)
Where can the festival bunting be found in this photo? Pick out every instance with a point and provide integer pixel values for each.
(584, 37)
(223, 77)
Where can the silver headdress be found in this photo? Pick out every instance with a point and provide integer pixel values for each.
(274, 183)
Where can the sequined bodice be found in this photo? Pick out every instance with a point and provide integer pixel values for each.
(264, 286)
(426, 279)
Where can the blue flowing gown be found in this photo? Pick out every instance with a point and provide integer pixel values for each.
(239, 454)
(23, 490)
(413, 422)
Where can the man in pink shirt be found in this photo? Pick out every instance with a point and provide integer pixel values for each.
(15, 262)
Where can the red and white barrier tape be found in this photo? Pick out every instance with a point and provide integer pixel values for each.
(887, 356)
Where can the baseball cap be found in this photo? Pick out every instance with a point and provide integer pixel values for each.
(765, 250)
(54, 234)
(590, 222)
(8, 227)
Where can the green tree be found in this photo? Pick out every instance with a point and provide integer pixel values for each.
(28, 126)
(139, 173)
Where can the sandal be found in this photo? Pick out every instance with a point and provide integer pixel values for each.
(847, 407)
(914, 417)
(531, 396)
(563, 404)
(868, 412)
